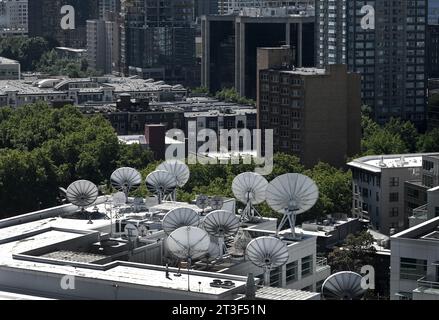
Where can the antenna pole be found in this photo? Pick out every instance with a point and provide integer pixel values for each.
(267, 277)
(188, 276)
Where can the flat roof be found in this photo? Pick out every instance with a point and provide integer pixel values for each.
(376, 163)
(4, 60)
(272, 293)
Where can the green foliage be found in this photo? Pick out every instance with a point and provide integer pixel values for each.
(405, 130)
(43, 148)
(356, 252)
(383, 142)
(200, 90)
(26, 50)
(52, 64)
(231, 95)
(429, 142)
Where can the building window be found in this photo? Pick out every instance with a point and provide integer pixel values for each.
(412, 269)
(291, 272)
(427, 165)
(307, 266)
(394, 212)
(394, 182)
(365, 193)
(413, 193)
(436, 211)
(275, 277)
(394, 197)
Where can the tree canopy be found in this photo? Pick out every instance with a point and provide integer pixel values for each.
(42, 148)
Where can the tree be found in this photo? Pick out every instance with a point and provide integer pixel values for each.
(383, 141)
(231, 95)
(42, 148)
(356, 252)
(405, 130)
(429, 142)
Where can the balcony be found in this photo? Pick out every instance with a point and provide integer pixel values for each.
(428, 284)
(428, 289)
(321, 263)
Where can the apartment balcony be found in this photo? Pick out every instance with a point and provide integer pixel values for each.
(428, 289)
(323, 270)
(420, 212)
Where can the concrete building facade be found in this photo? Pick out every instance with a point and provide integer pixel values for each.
(9, 69)
(415, 263)
(315, 113)
(378, 189)
(230, 42)
(13, 17)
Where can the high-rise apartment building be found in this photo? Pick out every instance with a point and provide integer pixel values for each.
(315, 113)
(158, 40)
(13, 17)
(385, 41)
(45, 18)
(234, 6)
(230, 45)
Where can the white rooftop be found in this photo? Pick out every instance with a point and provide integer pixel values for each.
(4, 60)
(378, 162)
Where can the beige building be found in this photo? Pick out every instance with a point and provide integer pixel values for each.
(9, 69)
(315, 113)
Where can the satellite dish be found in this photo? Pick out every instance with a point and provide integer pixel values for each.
(291, 194)
(131, 232)
(161, 183)
(125, 180)
(202, 201)
(180, 217)
(188, 243)
(179, 170)
(118, 199)
(213, 252)
(345, 285)
(82, 193)
(216, 203)
(267, 253)
(249, 188)
(221, 224)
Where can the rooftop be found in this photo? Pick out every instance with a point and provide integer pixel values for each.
(426, 231)
(379, 162)
(4, 60)
(270, 293)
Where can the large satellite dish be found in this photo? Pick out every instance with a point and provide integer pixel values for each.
(249, 188)
(180, 217)
(188, 243)
(291, 194)
(82, 193)
(179, 170)
(161, 183)
(221, 224)
(345, 285)
(267, 253)
(125, 180)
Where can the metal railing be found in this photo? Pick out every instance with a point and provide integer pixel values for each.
(321, 263)
(420, 212)
(423, 282)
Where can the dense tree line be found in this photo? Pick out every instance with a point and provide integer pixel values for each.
(42, 149)
(37, 54)
(395, 137)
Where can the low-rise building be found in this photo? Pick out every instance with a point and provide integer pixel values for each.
(9, 69)
(378, 189)
(415, 262)
(80, 91)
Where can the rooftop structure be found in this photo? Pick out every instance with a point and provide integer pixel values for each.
(82, 90)
(415, 262)
(96, 247)
(9, 69)
(378, 188)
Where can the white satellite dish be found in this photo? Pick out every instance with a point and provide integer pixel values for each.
(82, 193)
(180, 217)
(202, 202)
(179, 170)
(345, 285)
(188, 243)
(216, 202)
(131, 232)
(161, 183)
(221, 224)
(213, 252)
(267, 253)
(126, 179)
(250, 189)
(291, 194)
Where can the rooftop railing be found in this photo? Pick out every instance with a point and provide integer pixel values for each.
(425, 283)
